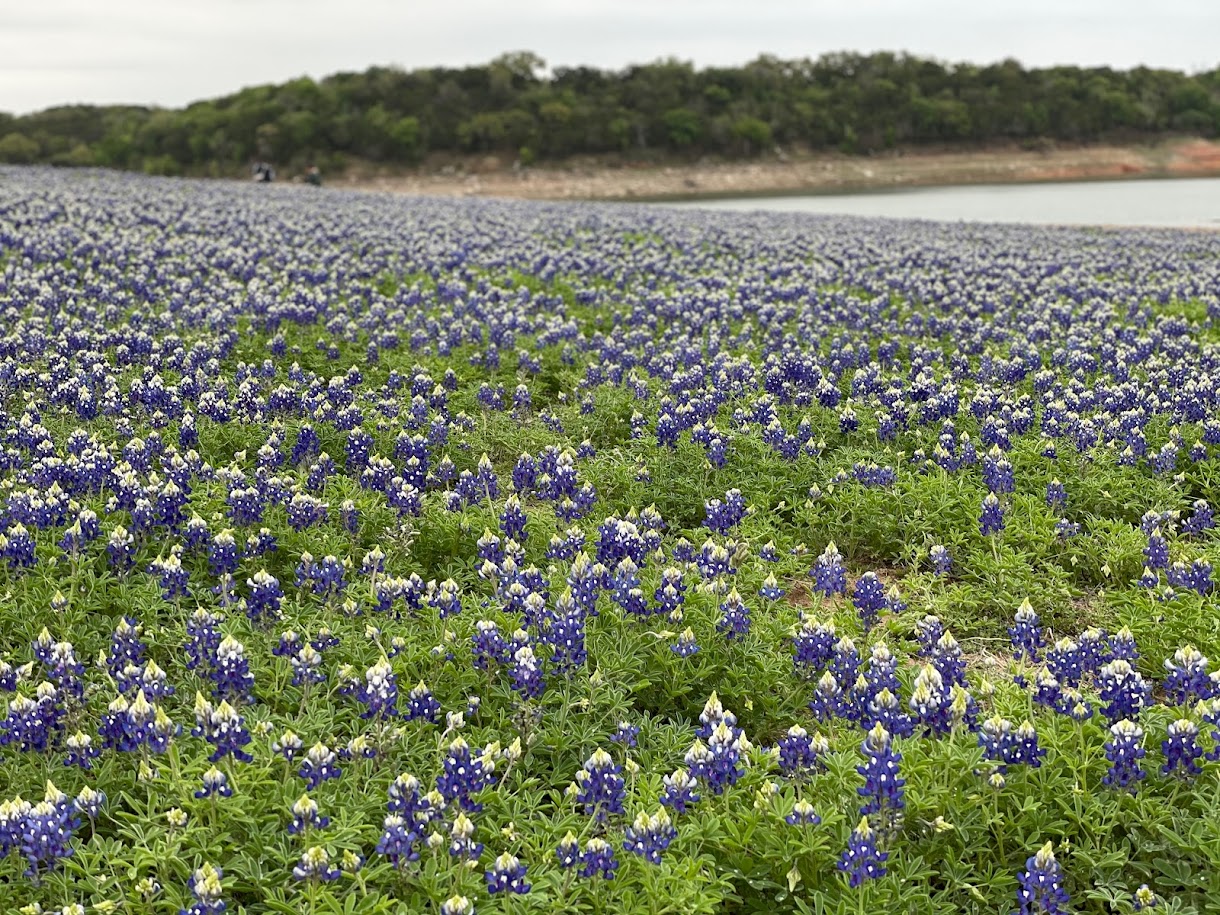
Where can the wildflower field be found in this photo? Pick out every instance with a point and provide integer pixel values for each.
(373, 555)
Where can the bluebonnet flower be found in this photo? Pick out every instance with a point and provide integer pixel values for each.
(1064, 662)
(1026, 633)
(685, 646)
(318, 766)
(829, 576)
(679, 791)
(223, 554)
(47, 829)
(507, 874)
(307, 666)
(648, 836)
(305, 816)
(724, 516)
(1144, 898)
(626, 591)
(513, 519)
(12, 816)
(598, 859)
(1187, 676)
(527, 673)
(1124, 750)
(174, 578)
(489, 645)
(1123, 690)
(991, 518)
(1122, 646)
(287, 745)
(17, 547)
(1092, 651)
(215, 784)
(60, 664)
(1157, 551)
(930, 701)
(205, 887)
(1056, 495)
(861, 860)
(928, 632)
(1181, 749)
(444, 598)
(399, 842)
(882, 669)
(734, 616)
(885, 709)
(265, 597)
(770, 589)
(883, 787)
(125, 646)
(714, 560)
(625, 734)
(942, 564)
(1040, 890)
(349, 516)
(327, 577)
(120, 549)
(802, 814)
(136, 725)
(81, 751)
(223, 727)
(457, 905)
(462, 776)
(315, 866)
(203, 640)
(1201, 519)
(997, 471)
(461, 839)
(421, 704)
(720, 766)
(379, 691)
(813, 646)
(868, 597)
(600, 786)
(799, 752)
(231, 674)
(567, 852)
(845, 661)
(1023, 748)
(828, 701)
(90, 802)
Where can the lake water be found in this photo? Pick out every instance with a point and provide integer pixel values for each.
(1147, 202)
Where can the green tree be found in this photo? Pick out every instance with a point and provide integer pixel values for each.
(683, 127)
(754, 134)
(18, 149)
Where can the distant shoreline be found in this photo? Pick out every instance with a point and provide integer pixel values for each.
(803, 174)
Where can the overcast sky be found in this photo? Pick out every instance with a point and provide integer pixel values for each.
(169, 52)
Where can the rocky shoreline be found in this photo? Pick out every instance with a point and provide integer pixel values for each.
(491, 177)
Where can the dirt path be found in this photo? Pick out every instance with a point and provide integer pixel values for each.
(490, 177)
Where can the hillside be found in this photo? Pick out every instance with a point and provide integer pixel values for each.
(663, 113)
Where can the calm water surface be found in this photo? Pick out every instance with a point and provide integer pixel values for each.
(1153, 202)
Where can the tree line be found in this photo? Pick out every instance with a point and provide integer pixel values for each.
(514, 106)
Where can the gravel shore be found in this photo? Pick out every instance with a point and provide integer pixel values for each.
(492, 177)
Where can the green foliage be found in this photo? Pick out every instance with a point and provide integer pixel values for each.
(753, 132)
(856, 103)
(683, 127)
(17, 148)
